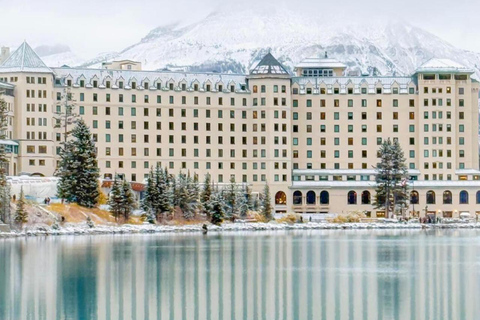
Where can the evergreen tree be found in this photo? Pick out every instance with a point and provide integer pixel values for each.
(115, 200)
(206, 195)
(231, 198)
(390, 177)
(150, 199)
(78, 170)
(4, 186)
(21, 215)
(185, 198)
(217, 210)
(128, 200)
(249, 199)
(266, 203)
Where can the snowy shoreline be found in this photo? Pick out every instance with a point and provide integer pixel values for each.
(228, 227)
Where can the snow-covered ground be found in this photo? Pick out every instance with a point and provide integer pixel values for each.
(83, 229)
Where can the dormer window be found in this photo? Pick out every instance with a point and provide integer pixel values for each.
(82, 83)
(220, 88)
(195, 87)
(95, 83)
(395, 90)
(350, 90)
(208, 87)
(120, 84)
(184, 87)
(107, 84)
(379, 90)
(232, 88)
(134, 85)
(69, 83)
(170, 86)
(159, 85)
(145, 85)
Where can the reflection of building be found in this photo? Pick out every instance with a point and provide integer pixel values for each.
(313, 136)
(369, 274)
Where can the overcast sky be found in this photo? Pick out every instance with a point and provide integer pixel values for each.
(93, 26)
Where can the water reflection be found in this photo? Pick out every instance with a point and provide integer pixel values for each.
(282, 275)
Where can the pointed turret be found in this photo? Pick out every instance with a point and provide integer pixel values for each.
(269, 66)
(24, 59)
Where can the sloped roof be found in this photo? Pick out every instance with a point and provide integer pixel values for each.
(24, 59)
(269, 66)
(443, 65)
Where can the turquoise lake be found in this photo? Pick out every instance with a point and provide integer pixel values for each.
(365, 274)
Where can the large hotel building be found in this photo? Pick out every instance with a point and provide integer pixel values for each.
(313, 136)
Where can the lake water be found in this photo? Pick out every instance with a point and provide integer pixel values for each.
(263, 275)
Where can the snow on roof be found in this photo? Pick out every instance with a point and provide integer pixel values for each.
(316, 62)
(4, 85)
(269, 65)
(442, 65)
(356, 81)
(153, 76)
(24, 59)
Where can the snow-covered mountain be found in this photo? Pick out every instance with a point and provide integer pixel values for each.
(58, 55)
(233, 40)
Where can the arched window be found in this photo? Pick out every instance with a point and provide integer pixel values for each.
(297, 197)
(463, 197)
(255, 89)
(325, 197)
(280, 198)
(478, 197)
(352, 197)
(430, 197)
(414, 197)
(447, 197)
(311, 197)
(365, 197)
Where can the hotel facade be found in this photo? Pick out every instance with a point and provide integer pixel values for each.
(312, 135)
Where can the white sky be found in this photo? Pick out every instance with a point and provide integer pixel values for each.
(93, 26)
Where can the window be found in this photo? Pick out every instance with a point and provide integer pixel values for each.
(414, 197)
(447, 197)
(463, 197)
(430, 196)
(352, 197)
(297, 198)
(366, 199)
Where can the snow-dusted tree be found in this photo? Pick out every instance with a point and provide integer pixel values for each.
(128, 200)
(150, 200)
(206, 195)
(115, 200)
(21, 215)
(217, 210)
(4, 186)
(390, 177)
(250, 201)
(185, 198)
(266, 203)
(78, 170)
(231, 197)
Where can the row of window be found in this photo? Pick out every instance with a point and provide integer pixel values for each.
(145, 85)
(363, 103)
(337, 90)
(183, 112)
(323, 197)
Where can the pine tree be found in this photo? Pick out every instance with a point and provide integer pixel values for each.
(128, 200)
(266, 203)
(4, 186)
(150, 199)
(231, 198)
(390, 177)
(78, 170)
(206, 195)
(21, 215)
(115, 200)
(249, 199)
(185, 197)
(217, 210)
